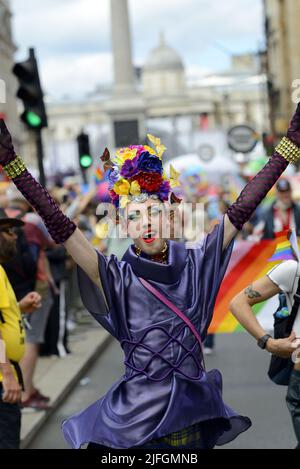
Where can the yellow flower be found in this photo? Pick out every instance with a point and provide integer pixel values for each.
(158, 146)
(124, 154)
(135, 188)
(122, 187)
(174, 177)
(154, 140)
(124, 199)
(174, 183)
(150, 150)
(129, 154)
(160, 150)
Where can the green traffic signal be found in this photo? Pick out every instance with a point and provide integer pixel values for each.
(32, 119)
(84, 152)
(86, 161)
(30, 92)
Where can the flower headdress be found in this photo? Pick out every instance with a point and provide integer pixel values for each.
(136, 173)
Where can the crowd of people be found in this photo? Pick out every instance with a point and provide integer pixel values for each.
(38, 280)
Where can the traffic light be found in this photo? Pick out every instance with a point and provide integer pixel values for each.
(84, 153)
(31, 93)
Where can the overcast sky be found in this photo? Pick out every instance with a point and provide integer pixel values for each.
(72, 37)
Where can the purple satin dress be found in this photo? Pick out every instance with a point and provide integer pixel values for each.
(164, 387)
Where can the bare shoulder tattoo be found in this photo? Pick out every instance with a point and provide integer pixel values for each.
(251, 293)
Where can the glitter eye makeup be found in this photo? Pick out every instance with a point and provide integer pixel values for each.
(134, 216)
(155, 211)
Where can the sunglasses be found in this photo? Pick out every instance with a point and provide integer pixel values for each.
(8, 230)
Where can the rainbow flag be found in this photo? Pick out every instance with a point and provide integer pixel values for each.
(98, 175)
(283, 250)
(249, 261)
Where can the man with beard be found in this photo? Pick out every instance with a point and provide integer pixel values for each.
(12, 338)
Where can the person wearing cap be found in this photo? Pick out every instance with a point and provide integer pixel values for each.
(282, 215)
(12, 338)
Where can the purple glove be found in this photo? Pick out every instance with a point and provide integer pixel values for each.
(255, 191)
(57, 223)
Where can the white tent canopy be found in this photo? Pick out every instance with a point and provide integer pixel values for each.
(218, 165)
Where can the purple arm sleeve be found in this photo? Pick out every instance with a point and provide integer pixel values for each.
(255, 191)
(57, 223)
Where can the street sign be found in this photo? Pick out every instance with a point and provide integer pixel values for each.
(242, 138)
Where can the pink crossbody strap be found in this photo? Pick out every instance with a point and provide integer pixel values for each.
(174, 308)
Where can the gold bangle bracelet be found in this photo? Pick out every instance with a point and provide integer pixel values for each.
(289, 150)
(15, 168)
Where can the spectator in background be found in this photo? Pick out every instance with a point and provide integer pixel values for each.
(12, 338)
(281, 279)
(55, 337)
(283, 214)
(39, 239)
(55, 340)
(22, 268)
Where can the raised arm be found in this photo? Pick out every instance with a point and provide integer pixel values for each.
(83, 253)
(286, 152)
(241, 308)
(241, 304)
(60, 227)
(230, 231)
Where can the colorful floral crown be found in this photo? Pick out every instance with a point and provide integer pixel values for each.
(136, 173)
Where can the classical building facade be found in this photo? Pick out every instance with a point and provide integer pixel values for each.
(283, 39)
(168, 104)
(160, 99)
(8, 86)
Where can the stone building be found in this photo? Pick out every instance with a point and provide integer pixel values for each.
(283, 39)
(8, 85)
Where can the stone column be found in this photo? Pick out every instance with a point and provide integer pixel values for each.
(121, 43)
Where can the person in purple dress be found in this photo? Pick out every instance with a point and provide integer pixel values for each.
(157, 302)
